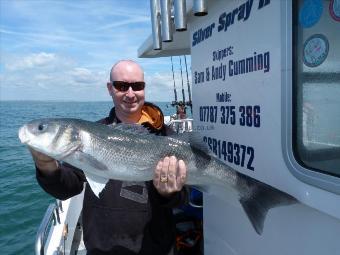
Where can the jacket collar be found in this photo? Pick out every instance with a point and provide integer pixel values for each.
(151, 114)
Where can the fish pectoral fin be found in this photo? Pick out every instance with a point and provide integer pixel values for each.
(74, 147)
(96, 183)
(90, 160)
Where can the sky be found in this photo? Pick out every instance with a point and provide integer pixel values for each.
(64, 50)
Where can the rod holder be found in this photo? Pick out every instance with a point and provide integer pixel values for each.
(200, 8)
(166, 21)
(156, 24)
(180, 15)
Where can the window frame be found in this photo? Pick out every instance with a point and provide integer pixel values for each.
(315, 177)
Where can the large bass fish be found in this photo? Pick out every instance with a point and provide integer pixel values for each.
(129, 152)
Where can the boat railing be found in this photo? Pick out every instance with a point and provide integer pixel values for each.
(56, 231)
(51, 215)
(181, 125)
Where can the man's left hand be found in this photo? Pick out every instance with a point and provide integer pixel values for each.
(170, 176)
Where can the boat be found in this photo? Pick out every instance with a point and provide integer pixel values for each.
(266, 99)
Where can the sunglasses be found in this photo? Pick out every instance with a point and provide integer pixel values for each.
(124, 86)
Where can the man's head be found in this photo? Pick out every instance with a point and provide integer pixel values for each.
(127, 98)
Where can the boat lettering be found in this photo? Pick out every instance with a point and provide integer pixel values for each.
(225, 20)
(243, 115)
(219, 55)
(234, 67)
(199, 77)
(202, 34)
(241, 13)
(223, 97)
(231, 152)
(257, 62)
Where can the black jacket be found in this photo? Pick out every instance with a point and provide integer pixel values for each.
(128, 218)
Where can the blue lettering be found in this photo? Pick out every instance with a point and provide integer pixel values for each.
(202, 34)
(242, 12)
(258, 62)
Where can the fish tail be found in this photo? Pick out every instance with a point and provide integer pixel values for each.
(256, 214)
(262, 199)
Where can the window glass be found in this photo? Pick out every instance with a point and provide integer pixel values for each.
(316, 68)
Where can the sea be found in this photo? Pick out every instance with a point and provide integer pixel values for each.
(22, 201)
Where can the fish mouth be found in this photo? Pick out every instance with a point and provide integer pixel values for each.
(23, 135)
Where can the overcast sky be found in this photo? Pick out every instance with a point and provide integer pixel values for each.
(63, 50)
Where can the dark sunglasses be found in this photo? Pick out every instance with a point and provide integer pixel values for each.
(124, 86)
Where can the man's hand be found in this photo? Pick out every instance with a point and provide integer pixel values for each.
(46, 164)
(170, 176)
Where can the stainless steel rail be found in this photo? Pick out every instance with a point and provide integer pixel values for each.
(51, 214)
(181, 125)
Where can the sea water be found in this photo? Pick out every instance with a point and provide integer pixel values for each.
(22, 201)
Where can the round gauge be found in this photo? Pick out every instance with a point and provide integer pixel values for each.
(334, 9)
(315, 50)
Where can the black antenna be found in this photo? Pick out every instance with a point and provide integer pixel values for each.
(173, 78)
(189, 91)
(183, 95)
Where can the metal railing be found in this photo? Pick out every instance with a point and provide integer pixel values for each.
(181, 125)
(51, 214)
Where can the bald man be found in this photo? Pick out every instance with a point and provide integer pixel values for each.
(128, 217)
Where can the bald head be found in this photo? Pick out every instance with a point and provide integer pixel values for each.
(124, 70)
(128, 103)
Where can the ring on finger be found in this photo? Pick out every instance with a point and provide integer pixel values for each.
(164, 179)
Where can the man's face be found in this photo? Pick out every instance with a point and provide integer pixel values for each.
(128, 102)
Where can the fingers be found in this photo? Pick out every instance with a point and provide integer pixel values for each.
(170, 175)
(157, 175)
(163, 178)
(43, 162)
(182, 174)
(39, 156)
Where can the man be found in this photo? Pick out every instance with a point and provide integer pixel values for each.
(127, 218)
(181, 111)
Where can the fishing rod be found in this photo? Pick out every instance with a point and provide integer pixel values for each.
(173, 78)
(183, 95)
(188, 84)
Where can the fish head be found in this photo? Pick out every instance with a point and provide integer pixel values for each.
(52, 137)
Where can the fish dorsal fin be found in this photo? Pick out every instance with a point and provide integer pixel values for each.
(88, 159)
(131, 128)
(96, 183)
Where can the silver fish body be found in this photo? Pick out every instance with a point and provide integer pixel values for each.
(124, 152)
(128, 152)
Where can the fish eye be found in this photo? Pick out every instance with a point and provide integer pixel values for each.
(41, 127)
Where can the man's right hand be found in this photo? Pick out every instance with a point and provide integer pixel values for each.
(45, 164)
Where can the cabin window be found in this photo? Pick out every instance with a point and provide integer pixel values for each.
(316, 82)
